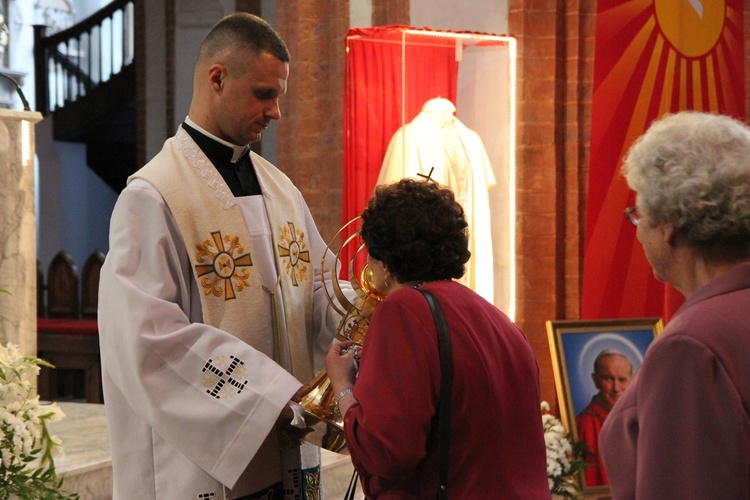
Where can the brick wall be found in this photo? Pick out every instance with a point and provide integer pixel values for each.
(554, 114)
(554, 107)
(387, 12)
(554, 101)
(747, 57)
(310, 133)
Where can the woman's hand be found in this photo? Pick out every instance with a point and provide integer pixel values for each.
(341, 363)
(341, 367)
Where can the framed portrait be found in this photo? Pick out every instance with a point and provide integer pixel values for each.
(593, 362)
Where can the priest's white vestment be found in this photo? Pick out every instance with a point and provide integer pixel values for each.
(435, 138)
(190, 408)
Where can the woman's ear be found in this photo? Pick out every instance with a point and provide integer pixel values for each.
(667, 232)
(388, 274)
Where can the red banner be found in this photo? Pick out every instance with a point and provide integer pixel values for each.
(652, 57)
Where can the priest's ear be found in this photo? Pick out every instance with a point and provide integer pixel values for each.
(216, 75)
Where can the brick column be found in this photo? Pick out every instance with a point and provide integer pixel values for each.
(387, 12)
(555, 41)
(746, 24)
(310, 132)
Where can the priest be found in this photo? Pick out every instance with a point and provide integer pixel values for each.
(211, 310)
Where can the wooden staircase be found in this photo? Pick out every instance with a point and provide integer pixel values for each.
(85, 79)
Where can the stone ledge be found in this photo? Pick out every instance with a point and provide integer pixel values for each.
(86, 467)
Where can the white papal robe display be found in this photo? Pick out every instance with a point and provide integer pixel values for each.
(195, 404)
(436, 139)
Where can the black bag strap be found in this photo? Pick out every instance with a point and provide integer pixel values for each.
(446, 384)
(352, 489)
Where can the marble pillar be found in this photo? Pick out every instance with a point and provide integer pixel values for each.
(18, 229)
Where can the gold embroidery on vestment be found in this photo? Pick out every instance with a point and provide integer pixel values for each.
(294, 253)
(220, 268)
(311, 484)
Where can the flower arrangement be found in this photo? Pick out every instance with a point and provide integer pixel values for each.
(27, 468)
(564, 456)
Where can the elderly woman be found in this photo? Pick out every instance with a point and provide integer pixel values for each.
(682, 429)
(416, 236)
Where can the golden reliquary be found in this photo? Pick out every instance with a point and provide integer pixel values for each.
(317, 396)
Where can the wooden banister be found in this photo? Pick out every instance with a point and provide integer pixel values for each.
(73, 62)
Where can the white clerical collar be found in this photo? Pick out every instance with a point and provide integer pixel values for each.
(238, 151)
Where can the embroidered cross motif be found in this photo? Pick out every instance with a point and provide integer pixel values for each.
(224, 376)
(294, 248)
(218, 268)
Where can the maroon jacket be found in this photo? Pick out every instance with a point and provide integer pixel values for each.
(497, 447)
(682, 429)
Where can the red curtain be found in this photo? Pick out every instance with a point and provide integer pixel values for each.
(651, 58)
(390, 74)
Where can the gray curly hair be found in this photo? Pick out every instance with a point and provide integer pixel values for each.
(692, 169)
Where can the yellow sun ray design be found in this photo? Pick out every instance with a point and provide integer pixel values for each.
(652, 57)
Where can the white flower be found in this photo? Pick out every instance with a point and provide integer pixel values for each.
(562, 465)
(51, 412)
(26, 447)
(554, 468)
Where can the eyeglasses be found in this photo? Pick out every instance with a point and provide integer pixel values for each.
(632, 214)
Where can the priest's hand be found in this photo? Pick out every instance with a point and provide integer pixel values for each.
(291, 436)
(291, 426)
(287, 415)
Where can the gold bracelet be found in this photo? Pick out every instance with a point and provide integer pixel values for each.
(342, 394)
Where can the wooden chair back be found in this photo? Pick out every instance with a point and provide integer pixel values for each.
(62, 287)
(90, 285)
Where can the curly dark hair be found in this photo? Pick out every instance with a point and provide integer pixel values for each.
(418, 230)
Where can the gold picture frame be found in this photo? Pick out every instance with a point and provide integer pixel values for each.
(574, 345)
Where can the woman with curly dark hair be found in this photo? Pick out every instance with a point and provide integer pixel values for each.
(416, 236)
